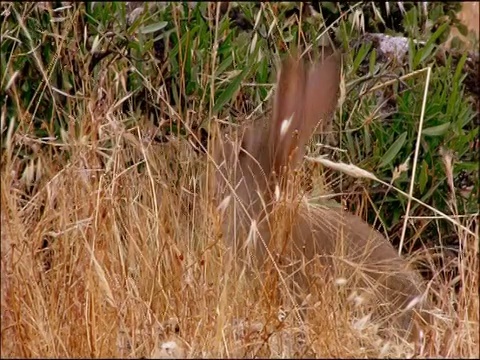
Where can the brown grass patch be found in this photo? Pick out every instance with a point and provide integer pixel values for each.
(117, 253)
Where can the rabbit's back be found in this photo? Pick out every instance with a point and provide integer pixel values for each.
(347, 246)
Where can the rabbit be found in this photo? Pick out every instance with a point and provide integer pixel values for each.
(261, 204)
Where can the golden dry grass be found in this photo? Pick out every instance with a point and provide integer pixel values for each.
(136, 266)
(469, 15)
(116, 251)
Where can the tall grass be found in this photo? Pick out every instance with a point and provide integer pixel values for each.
(110, 243)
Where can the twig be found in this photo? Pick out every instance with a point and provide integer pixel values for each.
(415, 160)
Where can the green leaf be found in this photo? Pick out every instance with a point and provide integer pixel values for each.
(430, 45)
(373, 61)
(423, 176)
(390, 154)
(225, 64)
(153, 27)
(462, 29)
(231, 89)
(412, 51)
(164, 35)
(469, 166)
(436, 130)
(361, 55)
(459, 70)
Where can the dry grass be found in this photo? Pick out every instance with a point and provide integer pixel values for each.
(135, 266)
(468, 15)
(116, 251)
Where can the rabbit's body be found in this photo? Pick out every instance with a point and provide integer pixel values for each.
(259, 197)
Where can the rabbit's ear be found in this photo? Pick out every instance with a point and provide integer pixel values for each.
(321, 97)
(303, 102)
(287, 111)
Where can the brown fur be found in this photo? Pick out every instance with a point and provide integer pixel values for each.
(255, 167)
